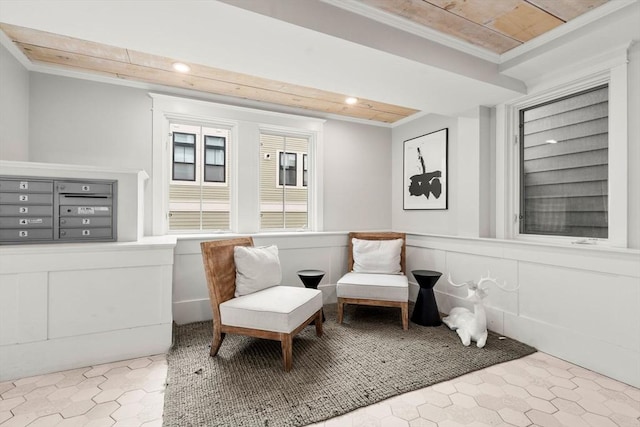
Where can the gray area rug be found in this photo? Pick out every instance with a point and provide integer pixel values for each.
(367, 359)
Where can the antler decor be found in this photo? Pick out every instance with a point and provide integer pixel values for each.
(473, 326)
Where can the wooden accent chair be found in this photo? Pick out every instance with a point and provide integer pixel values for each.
(386, 290)
(276, 313)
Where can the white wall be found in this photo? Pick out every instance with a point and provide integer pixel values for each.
(357, 177)
(634, 146)
(14, 108)
(79, 122)
(96, 124)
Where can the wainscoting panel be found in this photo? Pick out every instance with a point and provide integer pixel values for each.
(576, 303)
(67, 306)
(23, 308)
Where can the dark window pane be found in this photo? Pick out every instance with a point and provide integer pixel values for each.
(288, 170)
(564, 166)
(184, 172)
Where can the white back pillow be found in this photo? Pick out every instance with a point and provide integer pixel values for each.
(377, 256)
(256, 268)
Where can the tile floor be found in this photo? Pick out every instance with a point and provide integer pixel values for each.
(537, 390)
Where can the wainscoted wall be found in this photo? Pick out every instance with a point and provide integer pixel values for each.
(576, 303)
(65, 306)
(579, 304)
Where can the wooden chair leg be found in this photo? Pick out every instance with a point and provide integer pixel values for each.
(405, 315)
(287, 351)
(340, 310)
(318, 323)
(218, 337)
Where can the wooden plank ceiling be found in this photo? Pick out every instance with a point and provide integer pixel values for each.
(122, 63)
(496, 25)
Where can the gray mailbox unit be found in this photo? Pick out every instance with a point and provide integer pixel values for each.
(42, 210)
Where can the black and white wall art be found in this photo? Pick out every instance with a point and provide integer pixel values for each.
(425, 171)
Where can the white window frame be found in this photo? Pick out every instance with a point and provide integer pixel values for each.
(508, 155)
(245, 126)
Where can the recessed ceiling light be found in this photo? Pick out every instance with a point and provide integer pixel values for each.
(181, 67)
(351, 100)
(551, 141)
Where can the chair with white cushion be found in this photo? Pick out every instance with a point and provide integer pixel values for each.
(376, 273)
(246, 298)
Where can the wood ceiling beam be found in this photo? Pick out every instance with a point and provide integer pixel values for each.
(112, 61)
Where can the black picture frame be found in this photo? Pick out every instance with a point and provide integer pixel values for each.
(425, 171)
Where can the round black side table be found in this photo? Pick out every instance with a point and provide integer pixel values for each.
(425, 311)
(311, 279)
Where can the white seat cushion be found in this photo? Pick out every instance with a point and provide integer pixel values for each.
(277, 309)
(386, 287)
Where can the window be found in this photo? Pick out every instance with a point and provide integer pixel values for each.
(564, 166)
(287, 167)
(184, 156)
(214, 158)
(239, 192)
(283, 184)
(198, 193)
(305, 170)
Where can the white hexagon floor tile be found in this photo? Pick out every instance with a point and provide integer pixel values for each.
(537, 390)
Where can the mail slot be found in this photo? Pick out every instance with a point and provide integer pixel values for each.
(75, 222)
(21, 210)
(68, 187)
(72, 199)
(25, 235)
(25, 198)
(51, 210)
(85, 233)
(85, 211)
(26, 222)
(25, 185)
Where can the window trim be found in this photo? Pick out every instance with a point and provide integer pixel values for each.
(245, 125)
(508, 205)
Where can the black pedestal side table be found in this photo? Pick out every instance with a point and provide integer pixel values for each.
(425, 312)
(311, 279)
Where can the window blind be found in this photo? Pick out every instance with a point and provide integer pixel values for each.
(564, 166)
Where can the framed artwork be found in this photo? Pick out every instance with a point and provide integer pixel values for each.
(425, 180)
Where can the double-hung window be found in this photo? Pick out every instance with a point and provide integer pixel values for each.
(284, 172)
(564, 166)
(199, 197)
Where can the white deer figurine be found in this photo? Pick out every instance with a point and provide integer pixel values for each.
(472, 326)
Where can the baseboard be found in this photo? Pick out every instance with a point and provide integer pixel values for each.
(190, 311)
(53, 355)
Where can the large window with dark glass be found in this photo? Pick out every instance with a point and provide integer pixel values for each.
(288, 170)
(184, 156)
(564, 166)
(214, 158)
